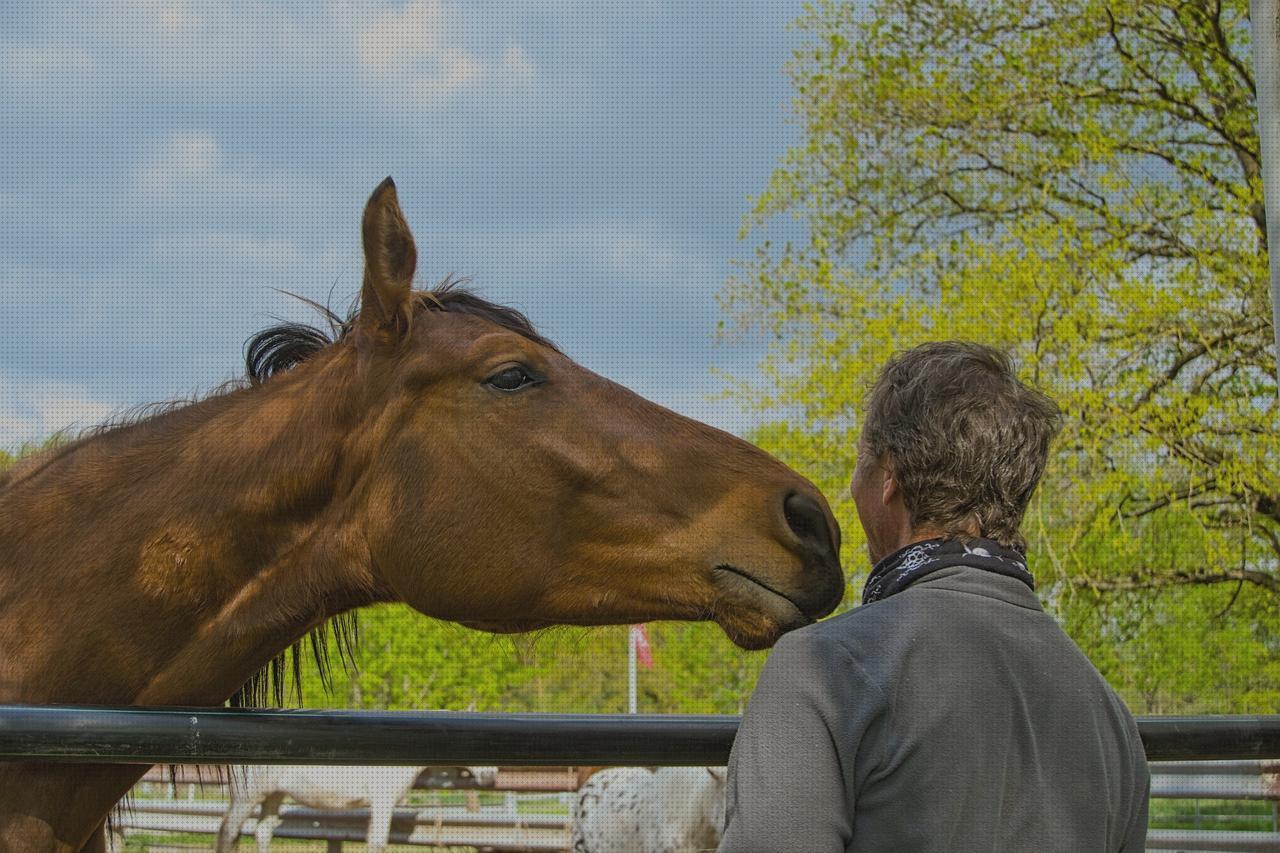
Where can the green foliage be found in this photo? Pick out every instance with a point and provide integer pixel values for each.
(1076, 183)
(30, 448)
(407, 661)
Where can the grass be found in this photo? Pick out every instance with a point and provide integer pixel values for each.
(156, 842)
(1224, 815)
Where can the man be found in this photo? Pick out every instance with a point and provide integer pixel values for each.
(949, 712)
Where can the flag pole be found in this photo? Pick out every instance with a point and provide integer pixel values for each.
(631, 670)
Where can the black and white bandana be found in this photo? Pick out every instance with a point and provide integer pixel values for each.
(907, 565)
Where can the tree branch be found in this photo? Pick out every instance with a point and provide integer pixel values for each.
(1146, 580)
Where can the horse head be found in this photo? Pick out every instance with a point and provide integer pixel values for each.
(506, 487)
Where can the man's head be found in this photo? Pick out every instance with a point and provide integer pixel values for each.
(952, 445)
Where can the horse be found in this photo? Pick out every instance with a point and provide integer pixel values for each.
(320, 787)
(433, 450)
(638, 810)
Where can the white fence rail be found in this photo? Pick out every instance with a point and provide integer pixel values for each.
(502, 827)
(491, 827)
(1215, 780)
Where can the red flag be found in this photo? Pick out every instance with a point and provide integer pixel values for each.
(640, 638)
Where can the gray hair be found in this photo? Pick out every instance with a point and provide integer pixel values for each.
(966, 440)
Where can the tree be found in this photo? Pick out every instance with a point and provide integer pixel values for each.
(1078, 183)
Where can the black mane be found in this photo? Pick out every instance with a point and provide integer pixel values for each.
(287, 345)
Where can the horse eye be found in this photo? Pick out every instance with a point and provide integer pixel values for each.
(510, 379)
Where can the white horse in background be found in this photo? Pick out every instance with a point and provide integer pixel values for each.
(320, 787)
(636, 810)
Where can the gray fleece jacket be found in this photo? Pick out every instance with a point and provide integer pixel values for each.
(953, 716)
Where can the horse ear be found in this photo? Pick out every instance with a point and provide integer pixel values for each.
(390, 258)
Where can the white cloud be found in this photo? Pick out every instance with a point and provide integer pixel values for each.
(658, 259)
(641, 255)
(180, 160)
(453, 70)
(237, 249)
(409, 55)
(695, 393)
(396, 37)
(414, 52)
(35, 408)
(618, 255)
(261, 267)
(190, 177)
(166, 36)
(31, 62)
(171, 15)
(516, 61)
(165, 15)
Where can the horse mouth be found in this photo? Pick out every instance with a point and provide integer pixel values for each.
(775, 611)
(755, 580)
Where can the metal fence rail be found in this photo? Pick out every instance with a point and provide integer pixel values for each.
(1207, 839)
(1213, 786)
(1215, 780)
(132, 735)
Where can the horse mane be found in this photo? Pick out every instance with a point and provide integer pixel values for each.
(65, 441)
(287, 345)
(284, 346)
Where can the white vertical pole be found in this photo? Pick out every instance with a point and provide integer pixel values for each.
(1264, 16)
(631, 669)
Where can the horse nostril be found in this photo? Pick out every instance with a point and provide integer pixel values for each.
(808, 522)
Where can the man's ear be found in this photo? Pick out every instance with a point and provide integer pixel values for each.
(390, 259)
(889, 488)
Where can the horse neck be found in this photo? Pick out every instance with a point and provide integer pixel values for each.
(197, 544)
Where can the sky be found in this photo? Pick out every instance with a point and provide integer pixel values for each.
(168, 167)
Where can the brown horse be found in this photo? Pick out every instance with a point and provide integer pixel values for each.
(439, 453)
